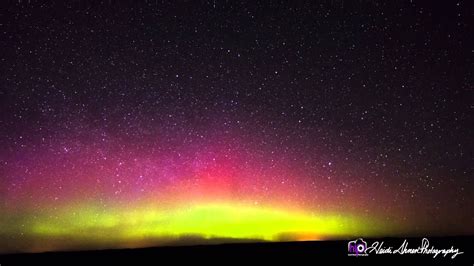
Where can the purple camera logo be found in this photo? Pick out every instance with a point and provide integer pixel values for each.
(357, 247)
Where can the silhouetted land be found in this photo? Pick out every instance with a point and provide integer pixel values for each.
(314, 252)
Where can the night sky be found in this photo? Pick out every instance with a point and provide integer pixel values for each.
(130, 125)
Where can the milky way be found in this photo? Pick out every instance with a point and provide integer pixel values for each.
(154, 124)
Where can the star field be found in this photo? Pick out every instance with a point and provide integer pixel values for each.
(136, 124)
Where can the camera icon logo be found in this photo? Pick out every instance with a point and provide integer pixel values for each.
(357, 247)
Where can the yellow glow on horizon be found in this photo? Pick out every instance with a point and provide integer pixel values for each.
(211, 220)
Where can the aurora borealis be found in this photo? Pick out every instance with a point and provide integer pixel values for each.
(136, 125)
(111, 197)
